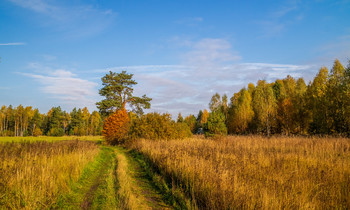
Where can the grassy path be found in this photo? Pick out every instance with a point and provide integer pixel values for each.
(116, 179)
(96, 188)
(136, 188)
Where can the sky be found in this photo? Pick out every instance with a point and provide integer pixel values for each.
(54, 52)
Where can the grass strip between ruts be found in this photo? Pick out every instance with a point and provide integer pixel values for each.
(96, 186)
(172, 194)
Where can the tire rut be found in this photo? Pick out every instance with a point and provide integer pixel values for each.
(141, 187)
(89, 196)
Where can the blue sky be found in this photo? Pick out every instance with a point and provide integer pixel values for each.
(54, 52)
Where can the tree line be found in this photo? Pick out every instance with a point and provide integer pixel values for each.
(26, 121)
(287, 106)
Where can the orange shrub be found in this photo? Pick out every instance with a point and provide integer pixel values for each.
(116, 127)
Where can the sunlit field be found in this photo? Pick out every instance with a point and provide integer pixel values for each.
(34, 174)
(257, 172)
(49, 138)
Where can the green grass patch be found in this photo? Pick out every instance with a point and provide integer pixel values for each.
(95, 188)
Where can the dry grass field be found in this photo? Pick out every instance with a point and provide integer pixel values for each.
(4, 139)
(34, 174)
(257, 172)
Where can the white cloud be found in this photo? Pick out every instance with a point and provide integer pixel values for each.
(207, 53)
(12, 44)
(67, 87)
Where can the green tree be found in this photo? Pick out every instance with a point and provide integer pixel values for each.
(190, 120)
(300, 106)
(180, 119)
(232, 120)
(264, 104)
(317, 104)
(66, 118)
(54, 122)
(2, 120)
(118, 91)
(285, 105)
(36, 123)
(96, 123)
(335, 99)
(241, 111)
(86, 117)
(215, 125)
(76, 126)
(18, 118)
(198, 121)
(346, 98)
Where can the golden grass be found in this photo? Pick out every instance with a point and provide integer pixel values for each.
(4, 139)
(34, 174)
(126, 198)
(130, 194)
(257, 172)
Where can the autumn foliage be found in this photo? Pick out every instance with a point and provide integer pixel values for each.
(157, 126)
(288, 106)
(116, 127)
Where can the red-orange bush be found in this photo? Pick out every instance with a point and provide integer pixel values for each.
(116, 127)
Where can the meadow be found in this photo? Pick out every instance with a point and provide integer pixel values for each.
(194, 173)
(256, 172)
(34, 174)
(72, 173)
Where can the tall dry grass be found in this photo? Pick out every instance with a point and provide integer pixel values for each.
(34, 174)
(257, 172)
(5, 139)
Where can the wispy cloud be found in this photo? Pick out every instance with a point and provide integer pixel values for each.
(190, 21)
(277, 21)
(284, 11)
(47, 57)
(12, 44)
(337, 49)
(209, 52)
(76, 20)
(65, 86)
(36, 5)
